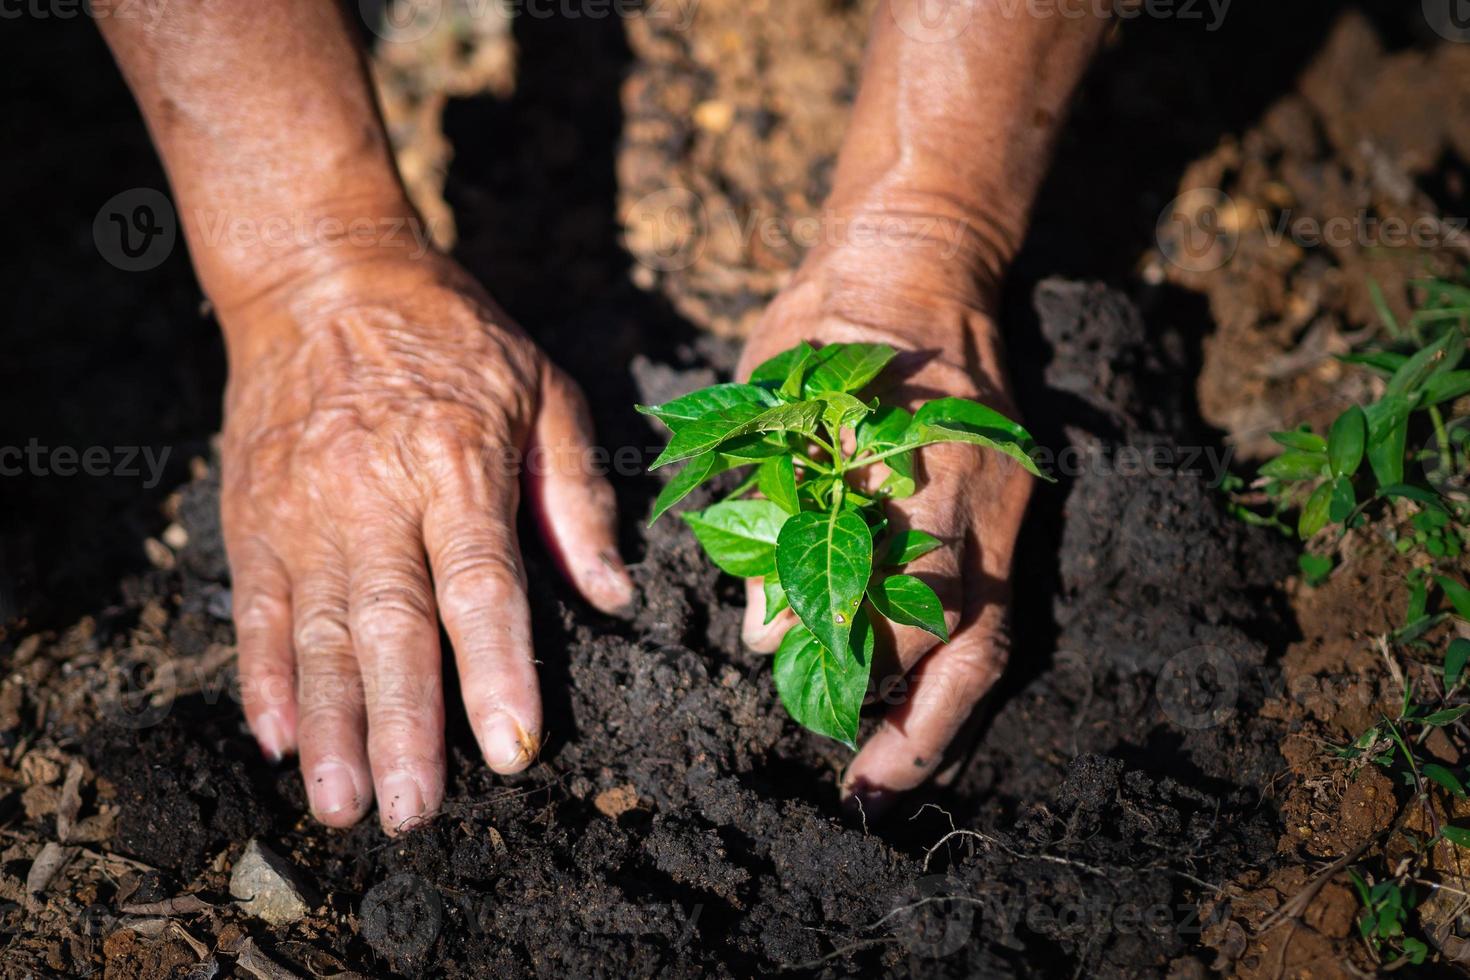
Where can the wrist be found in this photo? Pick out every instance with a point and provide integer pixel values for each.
(248, 258)
(933, 231)
(919, 280)
(265, 312)
(919, 263)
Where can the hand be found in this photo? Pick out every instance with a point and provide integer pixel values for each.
(970, 498)
(375, 421)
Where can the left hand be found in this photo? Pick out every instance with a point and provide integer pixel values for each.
(970, 498)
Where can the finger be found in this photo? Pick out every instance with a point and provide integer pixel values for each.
(470, 533)
(573, 503)
(267, 666)
(330, 720)
(942, 692)
(940, 508)
(759, 635)
(395, 636)
(940, 570)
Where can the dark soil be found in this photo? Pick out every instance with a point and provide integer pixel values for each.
(677, 822)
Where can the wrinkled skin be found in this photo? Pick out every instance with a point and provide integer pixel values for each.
(380, 405)
(970, 498)
(372, 466)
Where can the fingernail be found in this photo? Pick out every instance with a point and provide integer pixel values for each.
(270, 734)
(401, 799)
(505, 745)
(616, 586)
(866, 801)
(332, 789)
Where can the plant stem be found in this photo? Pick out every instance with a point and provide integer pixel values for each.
(824, 444)
(807, 461)
(1442, 439)
(875, 457)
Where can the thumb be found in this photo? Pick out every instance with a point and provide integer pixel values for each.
(572, 501)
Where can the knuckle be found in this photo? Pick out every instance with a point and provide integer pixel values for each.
(983, 657)
(391, 610)
(399, 730)
(329, 706)
(472, 574)
(404, 699)
(401, 723)
(258, 612)
(448, 436)
(322, 632)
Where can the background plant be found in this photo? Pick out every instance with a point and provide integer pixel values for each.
(1367, 473)
(802, 522)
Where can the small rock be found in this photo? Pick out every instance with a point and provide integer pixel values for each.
(158, 554)
(175, 536)
(221, 603)
(617, 801)
(267, 887)
(714, 116)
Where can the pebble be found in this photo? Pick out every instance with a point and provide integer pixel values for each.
(267, 887)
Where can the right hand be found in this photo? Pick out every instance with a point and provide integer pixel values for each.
(910, 297)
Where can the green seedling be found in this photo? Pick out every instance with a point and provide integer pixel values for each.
(1382, 921)
(1319, 487)
(1362, 473)
(800, 521)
